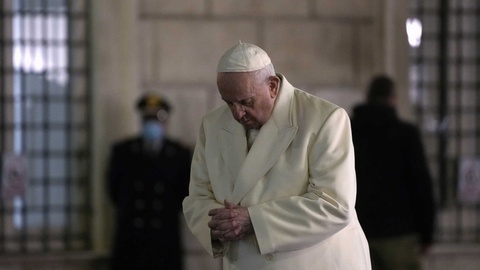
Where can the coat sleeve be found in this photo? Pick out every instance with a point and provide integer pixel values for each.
(297, 222)
(420, 186)
(201, 199)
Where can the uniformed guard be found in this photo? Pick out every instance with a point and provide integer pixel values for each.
(147, 180)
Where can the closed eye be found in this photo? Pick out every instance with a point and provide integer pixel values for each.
(248, 102)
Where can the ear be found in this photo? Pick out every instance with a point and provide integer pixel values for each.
(273, 85)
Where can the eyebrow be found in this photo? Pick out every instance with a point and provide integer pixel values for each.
(240, 101)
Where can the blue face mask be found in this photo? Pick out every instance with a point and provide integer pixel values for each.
(152, 130)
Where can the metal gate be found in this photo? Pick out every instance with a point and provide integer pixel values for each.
(45, 133)
(445, 88)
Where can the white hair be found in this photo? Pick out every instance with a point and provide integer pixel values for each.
(265, 73)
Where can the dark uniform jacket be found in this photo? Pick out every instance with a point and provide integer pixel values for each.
(147, 189)
(394, 194)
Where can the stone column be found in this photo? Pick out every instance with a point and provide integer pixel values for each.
(115, 87)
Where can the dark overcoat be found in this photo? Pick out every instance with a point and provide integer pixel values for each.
(147, 189)
(394, 196)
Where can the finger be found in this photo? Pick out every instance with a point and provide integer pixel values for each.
(224, 215)
(213, 224)
(216, 234)
(230, 236)
(231, 228)
(215, 211)
(226, 226)
(215, 221)
(223, 224)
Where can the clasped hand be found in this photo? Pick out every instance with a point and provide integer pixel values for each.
(229, 223)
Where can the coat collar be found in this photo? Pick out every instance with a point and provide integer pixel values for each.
(273, 139)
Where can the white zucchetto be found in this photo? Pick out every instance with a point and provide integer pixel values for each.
(243, 57)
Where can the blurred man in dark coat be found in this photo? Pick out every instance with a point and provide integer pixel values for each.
(394, 199)
(147, 181)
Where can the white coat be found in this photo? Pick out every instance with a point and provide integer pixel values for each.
(297, 180)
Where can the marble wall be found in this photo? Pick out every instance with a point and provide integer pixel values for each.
(322, 46)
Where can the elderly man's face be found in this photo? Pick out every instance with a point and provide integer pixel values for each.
(251, 101)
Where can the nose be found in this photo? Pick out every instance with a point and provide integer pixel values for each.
(238, 111)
